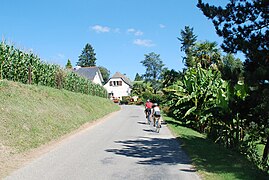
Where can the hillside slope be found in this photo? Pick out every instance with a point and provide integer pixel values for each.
(31, 116)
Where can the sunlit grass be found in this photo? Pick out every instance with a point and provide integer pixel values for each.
(34, 115)
(213, 161)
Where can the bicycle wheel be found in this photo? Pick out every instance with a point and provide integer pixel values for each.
(157, 125)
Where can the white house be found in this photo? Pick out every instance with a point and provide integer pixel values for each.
(118, 85)
(92, 73)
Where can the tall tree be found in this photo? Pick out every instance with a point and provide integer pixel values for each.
(105, 73)
(87, 57)
(68, 64)
(243, 24)
(187, 39)
(154, 66)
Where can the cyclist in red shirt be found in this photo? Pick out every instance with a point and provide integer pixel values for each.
(148, 107)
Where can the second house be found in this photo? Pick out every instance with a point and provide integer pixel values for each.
(118, 86)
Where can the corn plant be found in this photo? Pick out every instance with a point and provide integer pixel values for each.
(19, 66)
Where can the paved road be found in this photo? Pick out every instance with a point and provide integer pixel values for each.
(120, 147)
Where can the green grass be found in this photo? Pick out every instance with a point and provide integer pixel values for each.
(213, 161)
(31, 115)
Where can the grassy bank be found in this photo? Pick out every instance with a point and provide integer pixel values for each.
(34, 115)
(213, 161)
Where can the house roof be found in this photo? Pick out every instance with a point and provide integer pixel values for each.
(123, 77)
(89, 72)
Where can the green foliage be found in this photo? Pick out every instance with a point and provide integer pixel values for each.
(87, 57)
(154, 67)
(139, 101)
(138, 77)
(105, 73)
(145, 91)
(60, 76)
(244, 27)
(68, 64)
(125, 100)
(205, 102)
(232, 69)
(141, 87)
(15, 66)
(211, 160)
(196, 97)
(187, 39)
(170, 77)
(155, 98)
(206, 54)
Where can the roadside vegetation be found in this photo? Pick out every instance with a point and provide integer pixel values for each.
(213, 161)
(19, 66)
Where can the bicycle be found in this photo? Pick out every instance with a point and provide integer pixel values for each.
(158, 123)
(148, 115)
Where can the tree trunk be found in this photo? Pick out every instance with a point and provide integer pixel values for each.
(265, 151)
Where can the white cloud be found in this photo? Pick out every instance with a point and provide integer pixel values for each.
(143, 42)
(100, 29)
(138, 33)
(130, 30)
(162, 26)
(135, 32)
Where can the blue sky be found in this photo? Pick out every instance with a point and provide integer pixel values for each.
(120, 31)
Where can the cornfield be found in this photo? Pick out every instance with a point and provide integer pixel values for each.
(17, 65)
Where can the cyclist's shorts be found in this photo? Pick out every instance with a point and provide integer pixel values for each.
(148, 110)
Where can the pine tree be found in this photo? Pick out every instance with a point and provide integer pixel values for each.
(187, 39)
(68, 64)
(138, 77)
(87, 57)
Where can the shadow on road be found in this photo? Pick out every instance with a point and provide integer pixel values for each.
(149, 130)
(141, 122)
(152, 151)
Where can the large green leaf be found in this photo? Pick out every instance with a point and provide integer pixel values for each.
(190, 111)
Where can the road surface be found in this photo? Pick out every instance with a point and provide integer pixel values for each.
(121, 146)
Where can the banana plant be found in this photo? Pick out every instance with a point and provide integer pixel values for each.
(197, 94)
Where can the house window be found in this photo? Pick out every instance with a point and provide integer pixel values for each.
(115, 83)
